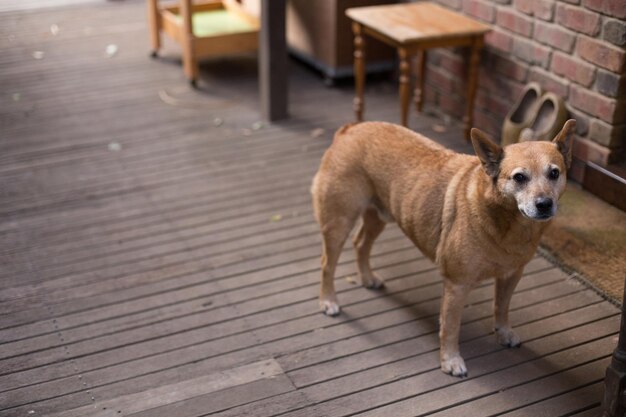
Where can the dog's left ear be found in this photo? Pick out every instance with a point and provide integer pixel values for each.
(564, 141)
(489, 153)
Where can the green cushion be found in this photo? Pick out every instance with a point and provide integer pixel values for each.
(217, 22)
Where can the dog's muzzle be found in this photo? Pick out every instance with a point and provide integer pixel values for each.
(542, 209)
(544, 206)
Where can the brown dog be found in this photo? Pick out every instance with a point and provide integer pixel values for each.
(476, 217)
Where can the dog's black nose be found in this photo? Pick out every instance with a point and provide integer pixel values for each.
(543, 204)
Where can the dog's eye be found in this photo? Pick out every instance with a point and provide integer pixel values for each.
(519, 178)
(553, 174)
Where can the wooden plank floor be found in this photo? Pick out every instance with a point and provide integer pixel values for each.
(159, 256)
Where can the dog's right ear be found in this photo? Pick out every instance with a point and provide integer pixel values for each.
(489, 153)
(564, 141)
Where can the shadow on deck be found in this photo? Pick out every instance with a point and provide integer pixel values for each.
(160, 257)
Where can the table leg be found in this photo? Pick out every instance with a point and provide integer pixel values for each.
(472, 79)
(359, 70)
(405, 81)
(420, 67)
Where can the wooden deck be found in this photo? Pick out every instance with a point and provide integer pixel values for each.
(159, 256)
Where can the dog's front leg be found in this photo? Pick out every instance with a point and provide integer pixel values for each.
(454, 296)
(505, 287)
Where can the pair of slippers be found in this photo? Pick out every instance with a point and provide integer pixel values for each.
(535, 116)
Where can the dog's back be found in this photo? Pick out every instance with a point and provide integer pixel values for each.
(380, 164)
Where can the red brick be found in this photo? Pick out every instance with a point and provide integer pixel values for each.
(488, 123)
(573, 69)
(610, 84)
(499, 85)
(614, 8)
(578, 19)
(531, 52)
(524, 6)
(555, 36)
(593, 103)
(576, 171)
(453, 63)
(431, 95)
(615, 32)
(549, 81)
(611, 136)
(492, 103)
(480, 10)
(514, 21)
(452, 104)
(543, 9)
(441, 80)
(601, 54)
(586, 150)
(499, 40)
(582, 121)
(506, 65)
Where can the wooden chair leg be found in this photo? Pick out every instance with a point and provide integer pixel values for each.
(472, 79)
(154, 22)
(359, 70)
(190, 64)
(420, 67)
(405, 84)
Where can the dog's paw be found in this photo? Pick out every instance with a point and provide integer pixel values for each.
(507, 337)
(329, 307)
(454, 366)
(373, 282)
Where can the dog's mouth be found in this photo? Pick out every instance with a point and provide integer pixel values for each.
(538, 216)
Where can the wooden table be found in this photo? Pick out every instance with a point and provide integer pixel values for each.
(412, 29)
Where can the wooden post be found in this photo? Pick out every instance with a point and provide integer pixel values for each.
(405, 85)
(614, 402)
(190, 65)
(359, 71)
(472, 80)
(420, 67)
(273, 63)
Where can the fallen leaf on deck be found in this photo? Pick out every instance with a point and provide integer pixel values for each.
(38, 54)
(54, 29)
(276, 218)
(115, 147)
(351, 279)
(258, 125)
(316, 133)
(16, 96)
(111, 50)
(217, 122)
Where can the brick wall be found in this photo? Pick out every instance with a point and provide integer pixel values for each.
(575, 48)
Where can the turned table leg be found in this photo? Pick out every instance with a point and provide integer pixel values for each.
(359, 70)
(472, 79)
(405, 78)
(418, 93)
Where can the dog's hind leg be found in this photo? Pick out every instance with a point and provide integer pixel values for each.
(371, 227)
(334, 235)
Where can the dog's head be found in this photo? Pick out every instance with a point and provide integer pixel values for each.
(532, 174)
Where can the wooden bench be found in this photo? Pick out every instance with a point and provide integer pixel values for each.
(203, 29)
